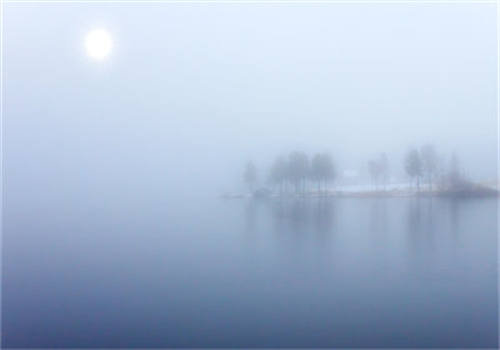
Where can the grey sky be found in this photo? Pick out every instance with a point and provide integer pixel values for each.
(191, 92)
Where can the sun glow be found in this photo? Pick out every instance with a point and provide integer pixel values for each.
(98, 44)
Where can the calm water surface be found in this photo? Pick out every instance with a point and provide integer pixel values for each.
(399, 272)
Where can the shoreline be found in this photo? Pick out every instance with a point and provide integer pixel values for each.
(473, 192)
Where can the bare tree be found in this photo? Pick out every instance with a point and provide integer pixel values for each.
(278, 172)
(429, 159)
(455, 178)
(384, 169)
(322, 169)
(374, 170)
(329, 171)
(316, 170)
(298, 170)
(413, 166)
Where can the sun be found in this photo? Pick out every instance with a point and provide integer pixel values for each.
(98, 44)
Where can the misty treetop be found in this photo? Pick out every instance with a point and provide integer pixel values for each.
(430, 163)
(299, 173)
(379, 170)
(322, 169)
(413, 166)
(293, 172)
(425, 164)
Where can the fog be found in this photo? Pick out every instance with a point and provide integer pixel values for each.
(192, 92)
(127, 217)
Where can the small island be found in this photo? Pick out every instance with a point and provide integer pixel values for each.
(424, 173)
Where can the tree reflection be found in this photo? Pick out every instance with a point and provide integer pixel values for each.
(421, 221)
(296, 216)
(378, 217)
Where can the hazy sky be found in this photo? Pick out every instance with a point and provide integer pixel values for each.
(191, 92)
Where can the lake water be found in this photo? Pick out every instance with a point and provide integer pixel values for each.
(346, 272)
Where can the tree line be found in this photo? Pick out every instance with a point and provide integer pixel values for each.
(296, 170)
(293, 171)
(425, 164)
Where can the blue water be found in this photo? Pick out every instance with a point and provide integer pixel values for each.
(395, 272)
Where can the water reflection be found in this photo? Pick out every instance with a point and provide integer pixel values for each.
(289, 215)
(315, 216)
(353, 272)
(298, 217)
(251, 208)
(324, 216)
(454, 216)
(421, 221)
(378, 215)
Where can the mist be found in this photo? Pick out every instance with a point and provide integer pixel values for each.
(191, 93)
(114, 169)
